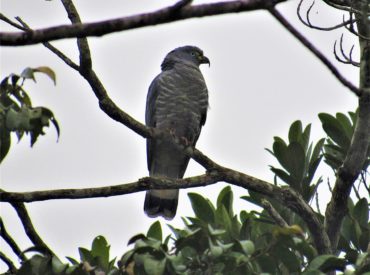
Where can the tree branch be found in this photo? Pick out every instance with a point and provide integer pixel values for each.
(273, 213)
(83, 46)
(284, 195)
(165, 15)
(10, 241)
(11, 267)
(28, 227)
(315, 51)
(357, 152)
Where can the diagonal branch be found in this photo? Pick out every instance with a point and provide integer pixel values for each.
(10, 241)
(162, 16)
(11, 267)
(315, 51)
(31, 232)
(273, 213)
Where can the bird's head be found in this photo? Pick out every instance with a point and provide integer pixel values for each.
(188, 54)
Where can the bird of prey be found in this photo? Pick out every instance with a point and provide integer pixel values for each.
(177, 102)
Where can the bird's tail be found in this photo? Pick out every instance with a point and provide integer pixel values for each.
(161, 203)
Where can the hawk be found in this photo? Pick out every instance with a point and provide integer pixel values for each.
(177, 101)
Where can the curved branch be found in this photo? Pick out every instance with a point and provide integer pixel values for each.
(29, 228)
(315, 51)
(162, 16)
(11, 267)
(308, 22)
(347, 59)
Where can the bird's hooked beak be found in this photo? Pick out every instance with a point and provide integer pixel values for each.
(205, 60)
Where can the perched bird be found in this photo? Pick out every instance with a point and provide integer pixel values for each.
(177, 101)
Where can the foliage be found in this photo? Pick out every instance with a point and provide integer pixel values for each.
(340, 129)
(298, 158)
(216, 241)
(93, 262)
(17, 113)
(219, 241)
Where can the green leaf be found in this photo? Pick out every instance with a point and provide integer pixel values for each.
(57, 266)
(334, 130)
(47, 71)
(346, 124)
(247, 246)
(317, 150)
(155, 231)
(225, 198)
(295, 131)
(284, 176)
(361, 212)
(296, 160)
(85, 255)
(216, 251)
(100, 249)
(153, 266)
(202, 208)
(306, 137)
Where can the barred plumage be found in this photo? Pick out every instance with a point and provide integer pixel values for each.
(178, 101)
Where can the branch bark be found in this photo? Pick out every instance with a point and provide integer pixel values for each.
(359, 148)
(284, 195)
(10, 241)
(31, 232)
(162, 16)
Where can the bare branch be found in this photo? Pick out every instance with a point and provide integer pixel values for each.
(12, 23)
(162, 16)
(308, 22)
(57, 52)
(315, 51)
(11, 267)
(10, 241)
(83, 46)
(273, 213)
(347, 59)
(28, 227)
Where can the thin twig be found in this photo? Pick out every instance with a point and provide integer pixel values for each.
(57, 52)
(273, 213)
(11, 267)
(29, 228)
(315, 51)
(12, 23)
(10, 241)
(308, 22)
(346, 60)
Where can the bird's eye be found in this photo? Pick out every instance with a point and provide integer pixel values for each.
(192, 53)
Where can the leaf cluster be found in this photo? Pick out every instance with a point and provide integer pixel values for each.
(17, 114)
(340, 129)
(299, 159)
(92, 262)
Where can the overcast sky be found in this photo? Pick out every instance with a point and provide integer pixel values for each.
(261, 79)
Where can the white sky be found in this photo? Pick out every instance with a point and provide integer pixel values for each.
(261, 79)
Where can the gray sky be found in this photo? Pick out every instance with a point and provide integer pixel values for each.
(261, 79)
